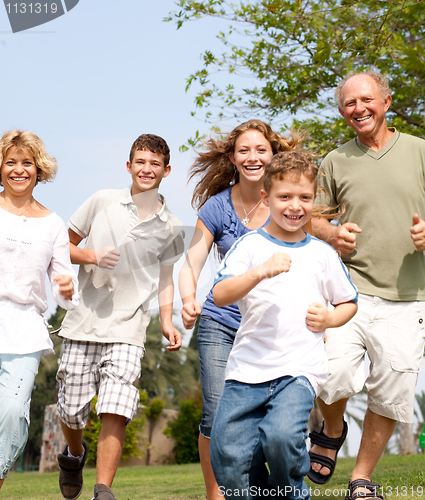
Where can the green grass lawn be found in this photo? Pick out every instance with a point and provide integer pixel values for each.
(401, 478)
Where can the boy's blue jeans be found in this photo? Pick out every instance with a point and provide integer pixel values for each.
(259, 423)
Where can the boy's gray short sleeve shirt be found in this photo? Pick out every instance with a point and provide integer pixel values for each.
(115, 305)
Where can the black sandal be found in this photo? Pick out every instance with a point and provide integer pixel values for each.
(363, 483)
(324, 441)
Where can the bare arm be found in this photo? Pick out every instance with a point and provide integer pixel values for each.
(80, 255)
(233, 289)
(107, 257)
(165, 299)
(197, 255)
(342, 238)
(319, 318)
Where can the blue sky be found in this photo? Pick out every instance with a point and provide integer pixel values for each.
(91, 81)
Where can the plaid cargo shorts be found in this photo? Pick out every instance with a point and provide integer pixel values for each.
(106, 369)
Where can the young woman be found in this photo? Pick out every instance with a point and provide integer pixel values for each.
(229, 203)
(33, 242)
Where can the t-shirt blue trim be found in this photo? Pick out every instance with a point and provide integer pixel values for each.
(282, 243)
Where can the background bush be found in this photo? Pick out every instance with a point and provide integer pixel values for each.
(185, 429)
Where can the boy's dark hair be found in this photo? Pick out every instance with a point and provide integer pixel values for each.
(152, 143)
(294, 163)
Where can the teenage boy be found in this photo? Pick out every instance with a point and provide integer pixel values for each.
(133, 240)
(283, 280)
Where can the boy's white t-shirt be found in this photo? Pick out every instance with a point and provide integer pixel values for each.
(273, 339)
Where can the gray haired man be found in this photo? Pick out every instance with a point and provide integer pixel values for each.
(379, 179)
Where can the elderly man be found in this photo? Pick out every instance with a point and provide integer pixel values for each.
(378, 180)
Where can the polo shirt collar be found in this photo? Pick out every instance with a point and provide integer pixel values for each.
(127, 199)
(126, 196)
(163, 213)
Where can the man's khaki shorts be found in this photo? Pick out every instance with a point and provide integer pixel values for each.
(393, 335)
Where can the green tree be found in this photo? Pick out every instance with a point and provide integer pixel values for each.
(293, 54)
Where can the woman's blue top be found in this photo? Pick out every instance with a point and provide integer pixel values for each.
(220, 218)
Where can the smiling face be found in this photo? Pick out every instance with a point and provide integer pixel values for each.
(147, 170)
(18, 172)
(363, 107)
(252, 152)
(291, 202)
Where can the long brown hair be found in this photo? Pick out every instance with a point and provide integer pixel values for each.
(216, 169)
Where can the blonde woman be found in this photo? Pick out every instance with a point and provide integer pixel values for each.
(33, 242)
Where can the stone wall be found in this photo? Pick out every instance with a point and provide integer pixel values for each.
(53, 441)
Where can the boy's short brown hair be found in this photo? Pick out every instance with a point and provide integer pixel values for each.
(294, 163)
(152, 143)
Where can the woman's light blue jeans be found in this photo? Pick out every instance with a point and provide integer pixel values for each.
(257, 424)
(17, 374)
(215, 341)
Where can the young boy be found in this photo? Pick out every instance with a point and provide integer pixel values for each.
(283, 280)
(133, 240)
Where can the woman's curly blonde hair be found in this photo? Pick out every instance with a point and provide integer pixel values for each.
(30, 143)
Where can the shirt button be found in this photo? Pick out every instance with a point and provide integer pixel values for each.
(421, 320)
